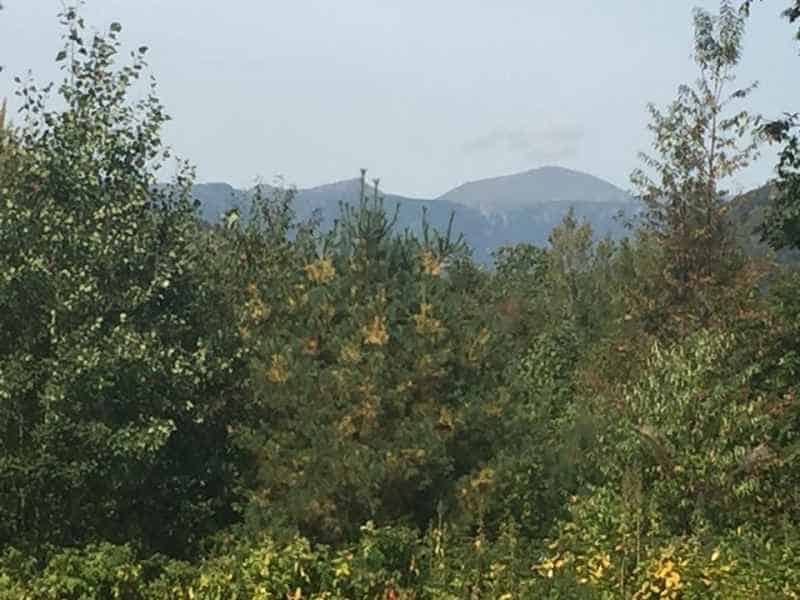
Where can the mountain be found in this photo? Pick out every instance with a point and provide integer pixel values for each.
(490, 213)
(546, 185)
(746, 212)
(218, 198)
(503, 210)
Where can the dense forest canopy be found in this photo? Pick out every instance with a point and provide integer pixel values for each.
(260, 408)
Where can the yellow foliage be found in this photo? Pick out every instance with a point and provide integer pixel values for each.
(548, 567)
(327, 311)
(483, 480)
(446, 419)
(430, 264)
(346, 426)
(320, 271)
(278, 371)
(665, 580)
(299, 299)
(309, 346)
(375, 332)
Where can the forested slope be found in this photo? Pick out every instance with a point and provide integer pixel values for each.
(260, 409)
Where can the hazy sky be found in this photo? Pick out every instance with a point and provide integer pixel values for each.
(426, 94)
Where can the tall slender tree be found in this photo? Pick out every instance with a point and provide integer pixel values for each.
(699, 142)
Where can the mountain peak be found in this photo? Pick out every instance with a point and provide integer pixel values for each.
(554, 169)
(542, 185)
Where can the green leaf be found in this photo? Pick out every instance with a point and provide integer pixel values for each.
(61, 56)
(116, 27)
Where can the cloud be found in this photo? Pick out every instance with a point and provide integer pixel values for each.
(534, 145)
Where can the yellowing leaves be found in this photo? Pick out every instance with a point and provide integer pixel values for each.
(548, 567)
(309, 346)
(483, 480)
(327, 312)
(278, 371)
(446, 420)
(665, 582)
(341, 568)
(375, 331)
(255, 308)
(430, 264)
(320, 271)
(346, 426)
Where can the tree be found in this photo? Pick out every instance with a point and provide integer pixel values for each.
(366, 367)
(781, 227)
(792, 12)
(698, 144)
(112, 376)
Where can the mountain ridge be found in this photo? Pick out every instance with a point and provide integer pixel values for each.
(489, 213)
(534, 186)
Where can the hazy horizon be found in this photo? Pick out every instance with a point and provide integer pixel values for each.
(427, 97)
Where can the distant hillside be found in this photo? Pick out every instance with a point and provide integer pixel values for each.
(504, 216)
(218, 198)
(516, 208)
(747, 212)
(546, 185)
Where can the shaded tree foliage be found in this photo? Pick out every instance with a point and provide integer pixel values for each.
(112, 415)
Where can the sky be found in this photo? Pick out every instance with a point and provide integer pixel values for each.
(424, 94)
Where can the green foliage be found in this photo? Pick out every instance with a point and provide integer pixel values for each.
(583, 562)
(364, 373)
(109, 418)
(608, 551)
(102, 571)
(261, 410)
(698, 145)
(698, 435)
(781, 228)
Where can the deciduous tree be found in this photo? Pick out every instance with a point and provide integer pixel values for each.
(699, 142)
